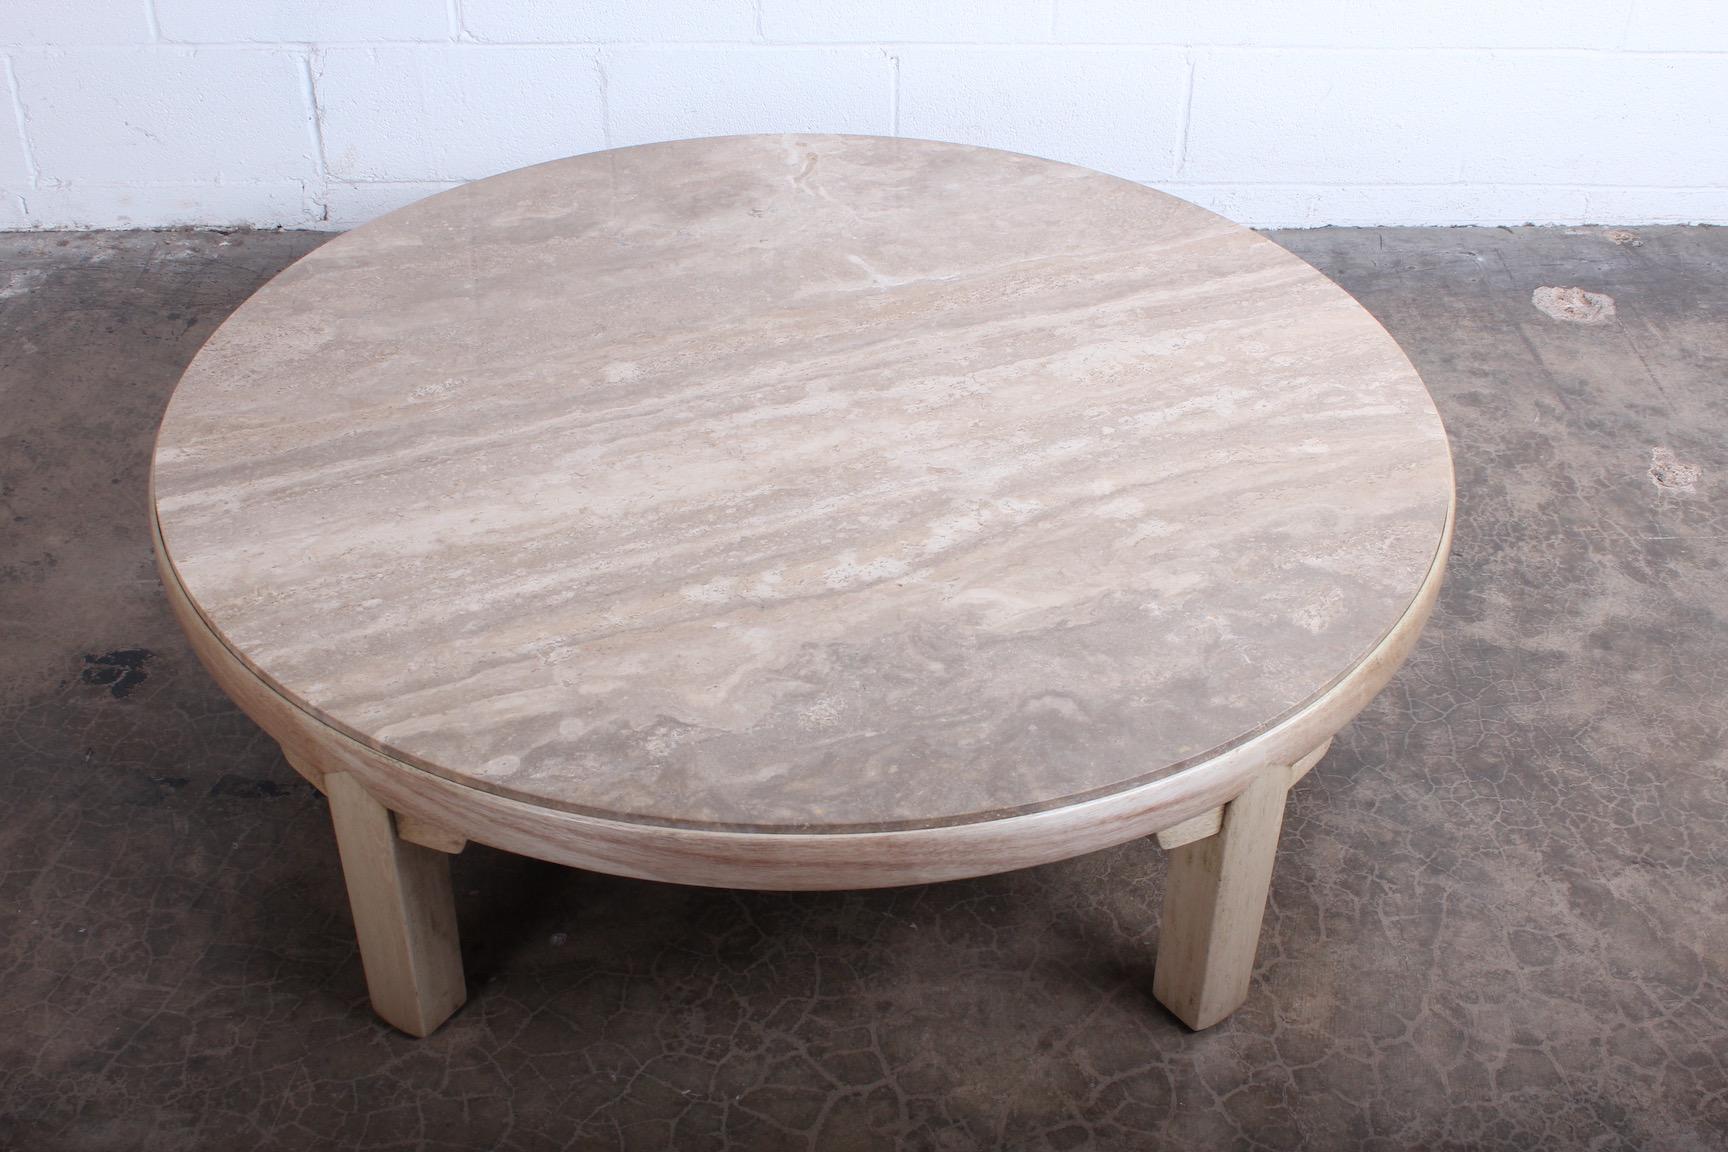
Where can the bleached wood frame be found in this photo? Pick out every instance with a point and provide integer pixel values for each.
(435, 813)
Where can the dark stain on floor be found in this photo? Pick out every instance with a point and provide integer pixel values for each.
(1499, 921)
(119, 671)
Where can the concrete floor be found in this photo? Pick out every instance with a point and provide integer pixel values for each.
(1500, 917)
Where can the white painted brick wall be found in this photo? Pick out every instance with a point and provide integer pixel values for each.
(74, 23)
(386, 113)
(1267, 115)
(907, 21)
(1389, 24)
(591, 21)
(325, 113)
(268, 22)
(661, 92)
(1111, 108)
(176, 116)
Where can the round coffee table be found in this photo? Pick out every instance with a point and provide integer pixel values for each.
(801, 512)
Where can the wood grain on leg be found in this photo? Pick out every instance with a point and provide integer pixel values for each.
(404, 912)
(1214, 898)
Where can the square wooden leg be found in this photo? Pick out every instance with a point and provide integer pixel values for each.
(404, 911)
(1214, 898)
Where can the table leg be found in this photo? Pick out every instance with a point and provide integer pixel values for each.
(1214, 898)
(404, 911)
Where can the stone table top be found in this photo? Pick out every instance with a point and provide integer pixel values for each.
(806, 483)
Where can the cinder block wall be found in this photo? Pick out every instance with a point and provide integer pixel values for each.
(324, 113)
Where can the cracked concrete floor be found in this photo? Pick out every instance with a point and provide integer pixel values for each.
(1500, 917)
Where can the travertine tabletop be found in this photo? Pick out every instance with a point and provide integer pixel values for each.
(801, 482)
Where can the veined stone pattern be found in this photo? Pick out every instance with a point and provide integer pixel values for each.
(802, 483)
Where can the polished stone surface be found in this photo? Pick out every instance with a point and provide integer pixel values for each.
(802, 482)
(1499, 920)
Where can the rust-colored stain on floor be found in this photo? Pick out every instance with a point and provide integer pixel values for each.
(1499, 918)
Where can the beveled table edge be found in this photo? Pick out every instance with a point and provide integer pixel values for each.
(794, 860)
